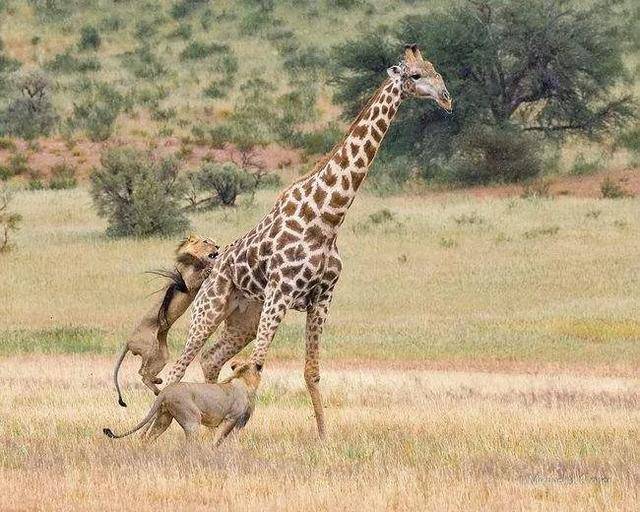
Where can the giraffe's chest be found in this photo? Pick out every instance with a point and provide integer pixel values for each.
(303, 277)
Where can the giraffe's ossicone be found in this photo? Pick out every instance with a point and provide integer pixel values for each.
(290, 259)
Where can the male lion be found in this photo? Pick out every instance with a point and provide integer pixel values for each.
(225, 405)
(194, 256)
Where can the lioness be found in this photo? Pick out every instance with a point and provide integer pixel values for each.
(194, 256)
(225, 405)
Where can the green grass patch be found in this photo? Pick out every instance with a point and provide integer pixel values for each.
(61, 340)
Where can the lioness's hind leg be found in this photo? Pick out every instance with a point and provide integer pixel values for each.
(160, 425)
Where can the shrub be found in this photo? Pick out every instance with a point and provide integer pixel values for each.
(138, 196)
(63, 176)
(145, 29)
(19, 164)
(5, 173)
(31, 114)
(491, 154)
(612, 190)
(216, 89)
(9, 222)
(143, 63)
(112, 23)
(198, 50)
(226, 181)
(67, 63)
(583, 167)
(184, 31)
(89, 38)
(184, 8)
(98, 111)
(7, 144)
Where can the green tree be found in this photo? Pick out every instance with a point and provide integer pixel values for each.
(31, 113)
(225, 181)
(545, 68)
(137, 195)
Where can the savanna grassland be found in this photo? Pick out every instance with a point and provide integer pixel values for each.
(481, 354)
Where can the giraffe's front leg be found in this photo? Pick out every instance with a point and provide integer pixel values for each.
(210, 308)
(240, 328)
(316, 317)
(273, 311)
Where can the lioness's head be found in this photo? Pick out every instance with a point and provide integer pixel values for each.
(247, 371)
(194, 249)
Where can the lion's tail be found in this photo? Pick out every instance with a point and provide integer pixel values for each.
(125, 349)
(154, 409)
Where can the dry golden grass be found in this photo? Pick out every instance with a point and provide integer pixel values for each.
(398, 440)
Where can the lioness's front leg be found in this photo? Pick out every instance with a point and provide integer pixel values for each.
(223, 430)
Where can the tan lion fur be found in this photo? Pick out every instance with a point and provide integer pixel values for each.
(225, 405)
(194, 256)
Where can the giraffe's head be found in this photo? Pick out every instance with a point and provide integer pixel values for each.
(417, 77)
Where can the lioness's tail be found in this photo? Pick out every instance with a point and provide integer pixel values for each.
(125, 349)
(154, 409)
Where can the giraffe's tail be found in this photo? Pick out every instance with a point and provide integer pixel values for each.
(123, 353)
(152, 413)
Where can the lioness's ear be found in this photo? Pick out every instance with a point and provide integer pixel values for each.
(234, 365)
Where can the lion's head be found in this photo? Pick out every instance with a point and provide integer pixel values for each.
(197, 250)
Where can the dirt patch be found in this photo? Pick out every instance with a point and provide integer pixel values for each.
(84, 155)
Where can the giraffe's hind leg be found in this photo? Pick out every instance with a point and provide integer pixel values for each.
(240, 328)
(210, 308)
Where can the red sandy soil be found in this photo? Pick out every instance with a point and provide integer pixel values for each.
(85, 155)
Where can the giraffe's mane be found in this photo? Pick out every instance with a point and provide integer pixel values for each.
(323, 161)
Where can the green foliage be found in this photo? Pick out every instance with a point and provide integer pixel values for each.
(18, 164)
(67, 63)
(97, 110)
(225, 181)
(63, 176)
(488, 154)
(610, 189)
(630, 139)
(9, 221)
(184, 8)
(198, 50)
(184, 31)
(89, 38)
(583, 167)
(31, 114)
(138, 195)
(143, 63)
(7, 144)
(7, 66)
(549, 67)
(112, 23)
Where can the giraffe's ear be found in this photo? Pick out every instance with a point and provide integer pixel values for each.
(394, 71)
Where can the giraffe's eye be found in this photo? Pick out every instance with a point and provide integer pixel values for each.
(415, 77)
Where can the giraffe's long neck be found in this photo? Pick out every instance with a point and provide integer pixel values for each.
(335, 184)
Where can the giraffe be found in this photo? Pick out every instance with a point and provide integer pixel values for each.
(290, 259)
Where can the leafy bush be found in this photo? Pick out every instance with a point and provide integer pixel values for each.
(89, 38)
(67, 63)
(184, 8)
(143, 63)
(5, 173)
(198, 50)
(9, 221)
(63, 176)
(18, 164)
(138, 196)
(184, 31)
(583, 167)
(7, 144)
(491, 154)
(612, 190)
(97, 111)
(226, 181)
(31, 114)
(112, 23)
